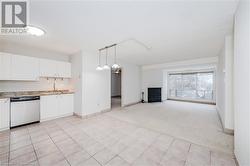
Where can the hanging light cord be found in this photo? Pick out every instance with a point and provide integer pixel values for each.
(115, 53)
(99, 57)
(107, 56)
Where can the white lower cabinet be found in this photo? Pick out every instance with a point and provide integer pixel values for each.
(66, 104)
(4, 114)
(55, 106)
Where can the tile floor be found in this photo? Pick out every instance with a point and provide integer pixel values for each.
(101, 140)
(196, 123)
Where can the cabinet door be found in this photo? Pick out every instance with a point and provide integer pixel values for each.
(67, 70)
(49, 107)
(60, 72)
(24, 68)
(4, 114)
(5, 66)
(48, 68)
(66, 105)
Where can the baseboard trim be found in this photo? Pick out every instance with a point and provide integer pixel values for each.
(130, 104)
(228, 131)
(4, 129)
(225, 130)
(193, 101)
(93, 114)
(56, 117)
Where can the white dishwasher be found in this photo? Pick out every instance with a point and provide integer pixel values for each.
(24, 110)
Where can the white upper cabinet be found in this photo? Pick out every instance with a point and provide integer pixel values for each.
(5, 66)
(48, 68)
(63, 69)
(24, 68)
(52, 68)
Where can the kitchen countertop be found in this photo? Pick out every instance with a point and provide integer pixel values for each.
(33, 93)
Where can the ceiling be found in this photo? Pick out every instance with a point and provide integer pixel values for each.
(173, 30)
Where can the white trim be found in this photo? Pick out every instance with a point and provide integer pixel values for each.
(4, 129)
(56, 117)
(201, 61)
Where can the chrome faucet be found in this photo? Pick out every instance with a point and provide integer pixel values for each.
(54, 85)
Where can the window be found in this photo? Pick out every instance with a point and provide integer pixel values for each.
(191, 86)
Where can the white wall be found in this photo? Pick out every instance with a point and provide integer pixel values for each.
(156, 75)
(97, 86)
(131, 83)
(242, 83)
(152, 78)
(115, 84)
(76, 81)
(224, 94)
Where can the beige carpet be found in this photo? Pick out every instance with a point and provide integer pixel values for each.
(197, 123)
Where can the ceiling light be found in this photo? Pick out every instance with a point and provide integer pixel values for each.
(99, 65)
(35, 31)
(115, 65)
(99, 68)
(106, 66)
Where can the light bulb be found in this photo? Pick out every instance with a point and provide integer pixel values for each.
(106, 67)
(115, 66)
(99, 68)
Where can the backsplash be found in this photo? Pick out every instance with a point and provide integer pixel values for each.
(42, 85)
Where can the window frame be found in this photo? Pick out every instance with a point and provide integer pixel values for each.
(213, 101)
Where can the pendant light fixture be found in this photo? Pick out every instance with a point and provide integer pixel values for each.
(99, 68)
(106, 66)
(115, 65)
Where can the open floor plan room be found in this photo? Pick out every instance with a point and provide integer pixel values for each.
(106, 139)
(125, 83)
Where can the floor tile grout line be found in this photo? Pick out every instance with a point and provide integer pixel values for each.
(77, 144)
(116, 155)
(33, 147)
(144, 150)
(140, 126)
(91, 156)
(187, 154)
(9, 149)
(172, 142)
(58, 147)
(22, 146)
(116, 141)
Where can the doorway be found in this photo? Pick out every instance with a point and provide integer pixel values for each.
(116, 88)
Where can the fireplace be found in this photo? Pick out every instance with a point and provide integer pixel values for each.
(154, 95)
